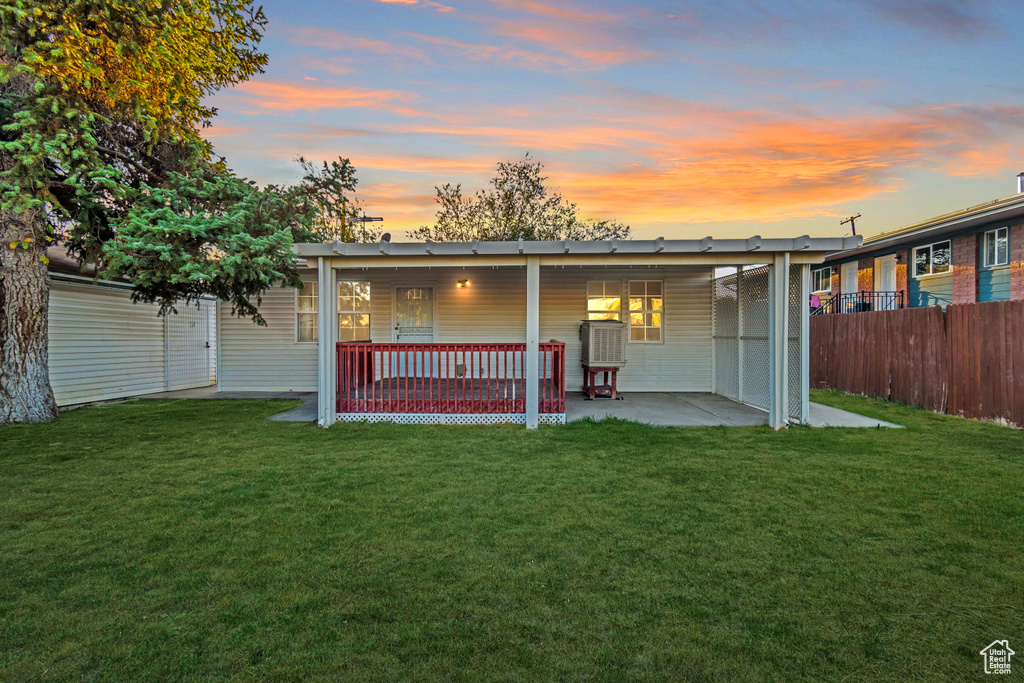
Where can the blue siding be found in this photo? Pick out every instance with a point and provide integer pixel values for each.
(934, 290)
(994, 284)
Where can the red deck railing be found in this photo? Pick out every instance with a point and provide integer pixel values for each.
(446, 378)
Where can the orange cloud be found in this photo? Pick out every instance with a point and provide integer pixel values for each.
(291, 97)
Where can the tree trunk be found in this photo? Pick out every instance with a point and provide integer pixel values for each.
(25, 392)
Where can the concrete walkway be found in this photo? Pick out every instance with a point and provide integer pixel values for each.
(827, 416)
(661, 409)
(676, 409)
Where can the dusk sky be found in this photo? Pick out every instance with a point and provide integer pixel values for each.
(681, 119)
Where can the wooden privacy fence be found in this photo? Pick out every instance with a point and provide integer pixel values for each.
(968, 360)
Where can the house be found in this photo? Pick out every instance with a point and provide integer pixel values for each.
(477, 332)
(102, 346)
(967, 256)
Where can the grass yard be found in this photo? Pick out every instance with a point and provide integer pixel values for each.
(154, 540)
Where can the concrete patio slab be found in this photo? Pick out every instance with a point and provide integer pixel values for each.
(667, 409)
(672, 409)
(660, 409)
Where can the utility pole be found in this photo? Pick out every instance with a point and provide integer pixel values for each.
(850, 220)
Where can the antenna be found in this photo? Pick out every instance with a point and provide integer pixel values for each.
(853, 225)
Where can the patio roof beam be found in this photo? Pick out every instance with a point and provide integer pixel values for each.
(712, 257)
(577, 247)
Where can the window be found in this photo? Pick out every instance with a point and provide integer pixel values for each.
(645, 310)
(821, 280)
(932, 259)
(353, 311)
(604, 300)
(850, 279)
(306, 319)
(997, 247)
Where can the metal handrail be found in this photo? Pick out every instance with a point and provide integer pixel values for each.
(859, 302)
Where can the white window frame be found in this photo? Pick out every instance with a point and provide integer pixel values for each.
(629, 312)
(604, 283)
(828, 280)
(931, 259)
(340, 312)
(995, 236)
(315, 313)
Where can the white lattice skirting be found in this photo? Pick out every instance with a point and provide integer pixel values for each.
(450, 419)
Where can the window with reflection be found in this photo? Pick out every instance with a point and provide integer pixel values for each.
(821, 280)
(353, 311)
(604, 300)
(997, 247)
(646, 304)
(932, 259)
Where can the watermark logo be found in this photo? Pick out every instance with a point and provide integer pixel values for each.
(997, 657)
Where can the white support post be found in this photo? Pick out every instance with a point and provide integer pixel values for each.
(778, 339)
(805, 344)
(532, 369)
(739, 333)
(327, 354)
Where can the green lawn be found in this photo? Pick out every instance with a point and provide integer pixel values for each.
(154, 540)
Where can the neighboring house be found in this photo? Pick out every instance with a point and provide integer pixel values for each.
(479, 332)
(102, 346)
(967, 256)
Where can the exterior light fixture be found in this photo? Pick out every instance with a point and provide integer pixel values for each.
(462, 284)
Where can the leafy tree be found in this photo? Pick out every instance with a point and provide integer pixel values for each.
(100, 113)
(336, 212)
(517, 205)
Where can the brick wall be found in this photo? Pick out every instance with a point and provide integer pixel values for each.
(866, 275)
(965, 269)
(1017, 261)
(835, 280)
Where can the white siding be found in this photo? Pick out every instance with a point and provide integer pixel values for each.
(102, 346)
(255, 358)
(493, 309)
